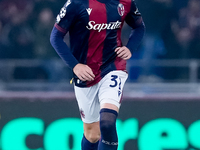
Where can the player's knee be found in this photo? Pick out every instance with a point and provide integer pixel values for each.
(107, 121)
(93, 138)
(106, 126)
(92, 132)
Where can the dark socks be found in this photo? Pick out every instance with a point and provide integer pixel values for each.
(87, 145)
(109, 139)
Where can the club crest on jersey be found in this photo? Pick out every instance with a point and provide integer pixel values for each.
(121, 9)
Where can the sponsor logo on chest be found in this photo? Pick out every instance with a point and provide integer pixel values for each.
(102, 26)
(92, 25)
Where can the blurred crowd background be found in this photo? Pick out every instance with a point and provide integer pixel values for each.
(172, 33)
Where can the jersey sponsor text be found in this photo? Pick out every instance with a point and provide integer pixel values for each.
(103, 26)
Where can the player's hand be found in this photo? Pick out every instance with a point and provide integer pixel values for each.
(123, 52)
(84, 72)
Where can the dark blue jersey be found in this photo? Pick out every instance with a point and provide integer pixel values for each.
(95, 27)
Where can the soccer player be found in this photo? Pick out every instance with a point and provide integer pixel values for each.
(98, 60)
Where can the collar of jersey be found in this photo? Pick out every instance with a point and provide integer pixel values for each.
(103, 1)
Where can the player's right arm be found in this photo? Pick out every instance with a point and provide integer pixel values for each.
(61, 48)
(65, 19)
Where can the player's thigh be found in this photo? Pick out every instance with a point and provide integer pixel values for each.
(111, 87)
(88, 103)
(110, 106)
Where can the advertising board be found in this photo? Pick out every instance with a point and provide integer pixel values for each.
(142, 125)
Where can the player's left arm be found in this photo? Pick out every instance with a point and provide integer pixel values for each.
(135, 21)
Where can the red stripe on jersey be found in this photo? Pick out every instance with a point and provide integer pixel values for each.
(119, 41)
(120, 63)
(96, 40)
(59, 28)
